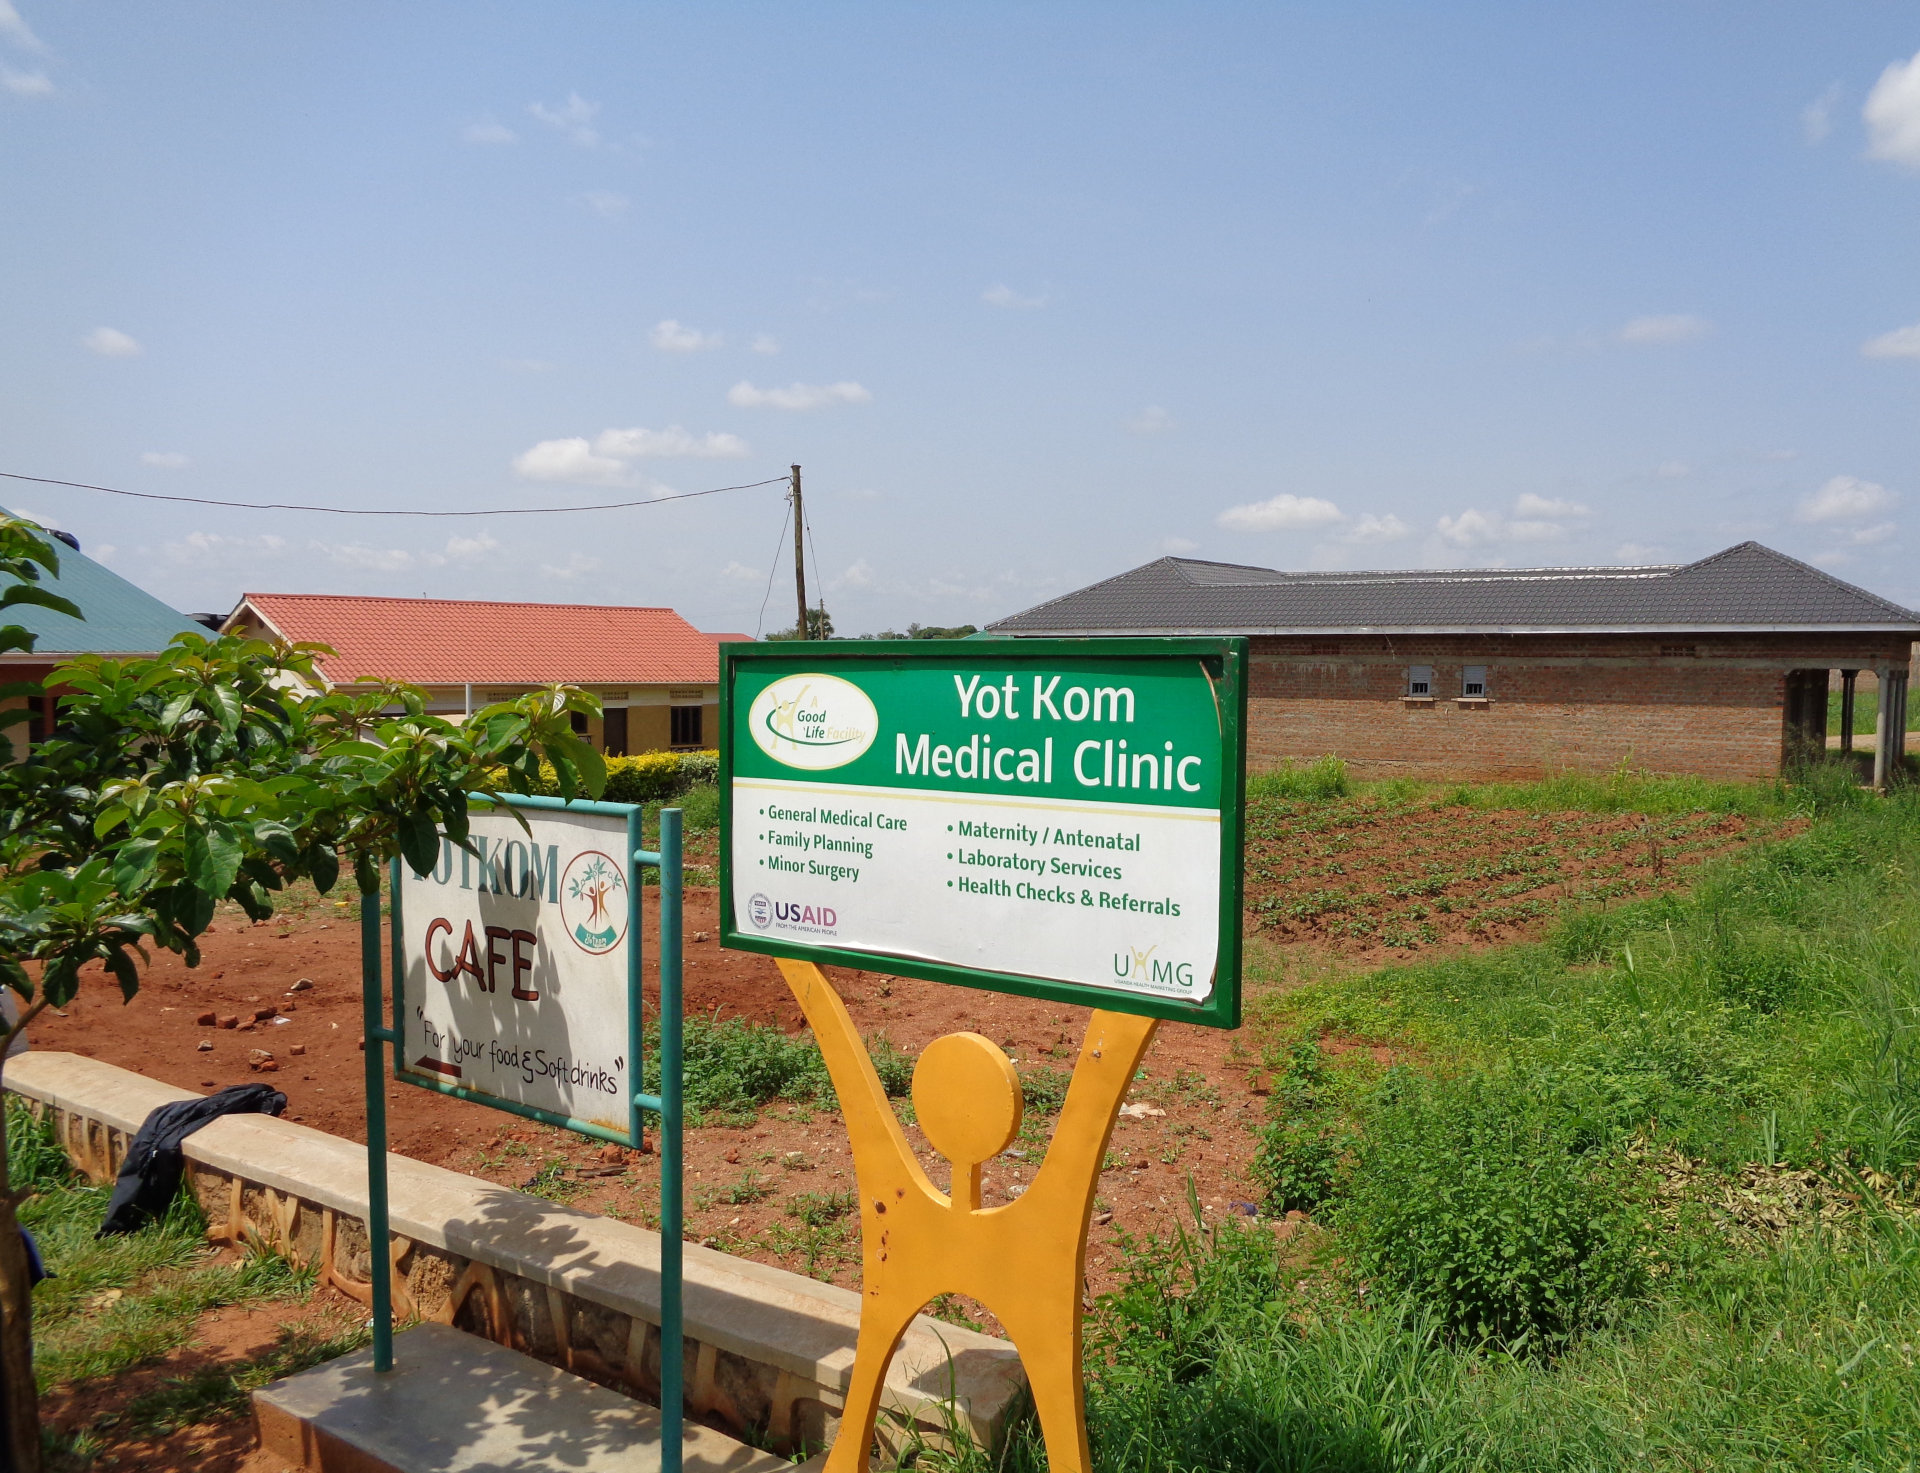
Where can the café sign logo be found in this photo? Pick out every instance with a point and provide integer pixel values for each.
(814, 722)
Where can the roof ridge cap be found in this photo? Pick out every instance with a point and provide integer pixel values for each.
(1750, 545)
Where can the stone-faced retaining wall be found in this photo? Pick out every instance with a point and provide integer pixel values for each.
(768, 1353)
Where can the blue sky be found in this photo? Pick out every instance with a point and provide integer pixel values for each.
(1035, 294)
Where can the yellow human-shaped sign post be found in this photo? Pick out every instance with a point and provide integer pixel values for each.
(1026, 1260)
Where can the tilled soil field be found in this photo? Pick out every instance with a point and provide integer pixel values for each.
(1368, 879)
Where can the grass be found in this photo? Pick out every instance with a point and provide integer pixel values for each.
(1710, 1101)
(117, 1303)
(1866, 711)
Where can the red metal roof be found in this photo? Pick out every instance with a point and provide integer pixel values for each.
(451, 641)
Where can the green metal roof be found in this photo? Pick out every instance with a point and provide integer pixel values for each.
(120, 619)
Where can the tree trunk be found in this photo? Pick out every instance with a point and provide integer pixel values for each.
(19, 1399)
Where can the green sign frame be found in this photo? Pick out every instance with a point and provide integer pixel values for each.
(747, 669)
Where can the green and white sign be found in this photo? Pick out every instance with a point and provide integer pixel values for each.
(1059, 818)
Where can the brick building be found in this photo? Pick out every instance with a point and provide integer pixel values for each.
(1718, 667)
(658, 678)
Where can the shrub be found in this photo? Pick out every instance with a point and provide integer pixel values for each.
(650, 777)
(1472, 1195)
(1326, 777)
(1298, 1160)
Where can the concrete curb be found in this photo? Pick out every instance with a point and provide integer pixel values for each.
(769, 1353)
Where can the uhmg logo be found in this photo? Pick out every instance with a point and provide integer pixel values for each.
(1134, 965)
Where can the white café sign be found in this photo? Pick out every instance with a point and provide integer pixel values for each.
(517, 965)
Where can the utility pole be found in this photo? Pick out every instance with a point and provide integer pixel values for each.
(799, 562)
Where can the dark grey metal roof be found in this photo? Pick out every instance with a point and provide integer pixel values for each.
(1746, 588)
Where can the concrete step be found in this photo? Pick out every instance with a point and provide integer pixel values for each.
(454, 1403)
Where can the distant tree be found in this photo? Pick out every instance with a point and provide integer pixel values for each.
(218, 769)
(819, 626)
(927, 631)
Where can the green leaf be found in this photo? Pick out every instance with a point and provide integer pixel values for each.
(324, 866)
(133, 864)
(46, 598)
(175, 711)
(124, 972)
(419, 842)
(366, 874)
(61, 978)
(212, 857)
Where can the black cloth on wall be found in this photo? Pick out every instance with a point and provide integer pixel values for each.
(151, 1173)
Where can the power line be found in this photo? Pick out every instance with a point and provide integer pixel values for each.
(355, 511)
(772, 568)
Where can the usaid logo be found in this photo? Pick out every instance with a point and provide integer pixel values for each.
(814, 722)
(791, 915)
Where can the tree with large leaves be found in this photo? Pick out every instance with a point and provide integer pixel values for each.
(219, 769)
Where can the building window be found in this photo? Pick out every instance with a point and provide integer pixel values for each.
(613, 726)
(1420, 680)
(1679, 652)
(683, 728)
(1473, 682)
(578, 721)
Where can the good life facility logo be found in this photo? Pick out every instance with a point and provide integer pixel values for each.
(812, 721)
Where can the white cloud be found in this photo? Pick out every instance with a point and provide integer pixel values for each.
(1902, 342)
(466, 549)
(16, 29)
(1816, 118)
(1528, 531)
(766, 343)
(1530, 505)
(1867, 536)
(1179, 546)
(1153, 420)
(577, 565)
(1373, 529)
(171, 460)
(26, 84)
(1002, 295)
(198, 549)
(607, 459)
(359, 555)
(797, 396)
(1892, 115)
(860, 575)
(574, 118)
(1845, 499)
(110, 342)
(1834, 559)
(605, 203)
(741, 573)
(488, 132)
(672, 441)
(1470, 529)
(670, 336)
(571, 459)
(1283, 511)
(1672, 470)
(1676, 327)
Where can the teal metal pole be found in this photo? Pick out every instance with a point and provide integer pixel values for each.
(380, 1257)
(672, 1339)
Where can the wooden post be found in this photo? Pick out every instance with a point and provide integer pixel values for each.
(799, 562)
(1847, 678)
